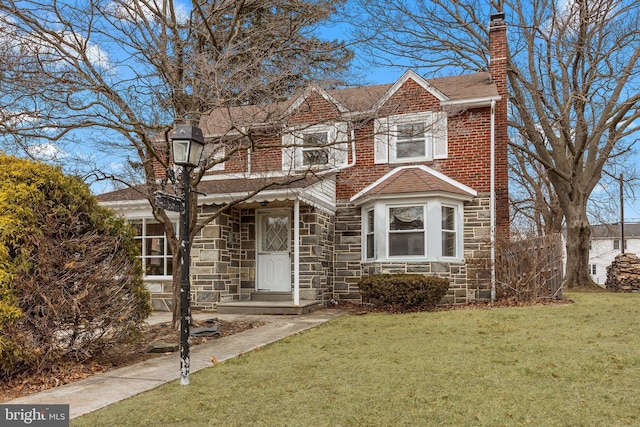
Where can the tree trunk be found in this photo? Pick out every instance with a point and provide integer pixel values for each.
(578, 237)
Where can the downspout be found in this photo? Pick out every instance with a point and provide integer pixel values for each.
(492, 201)
(296, 252)
(249, 152)
(348, 165)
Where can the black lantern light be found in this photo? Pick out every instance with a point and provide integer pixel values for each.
(187, 145)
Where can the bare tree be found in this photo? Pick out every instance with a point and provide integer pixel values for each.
(573, 82)
(535, 208)
(120, 74)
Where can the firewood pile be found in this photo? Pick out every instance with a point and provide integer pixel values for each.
(623, 275)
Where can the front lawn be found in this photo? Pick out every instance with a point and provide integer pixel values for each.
(563, 365)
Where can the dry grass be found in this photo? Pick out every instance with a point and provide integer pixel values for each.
(566, 365)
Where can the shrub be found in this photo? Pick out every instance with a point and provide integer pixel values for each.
(70, 281)
(404, 292)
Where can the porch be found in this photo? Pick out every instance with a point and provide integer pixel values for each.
(268, 303)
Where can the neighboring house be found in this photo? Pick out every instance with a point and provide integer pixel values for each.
(605, 245)
(402, 182)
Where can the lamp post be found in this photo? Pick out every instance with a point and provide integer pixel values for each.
(187, 144)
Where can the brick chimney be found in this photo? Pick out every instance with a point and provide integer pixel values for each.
(498, 51)
(498, 70)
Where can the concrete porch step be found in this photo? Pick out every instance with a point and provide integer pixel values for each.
(271, 296)
(267, 307)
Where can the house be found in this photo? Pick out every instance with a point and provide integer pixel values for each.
(390, 178)
(605, 245)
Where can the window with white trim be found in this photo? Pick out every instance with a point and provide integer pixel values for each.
(420, 230)
(370, 248)
(448, 231)
(406, 231)
(411, 137)
(592, 269)
(317, 146)
(155, 253)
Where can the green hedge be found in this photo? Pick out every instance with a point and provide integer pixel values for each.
(70, 280)
(403, 292)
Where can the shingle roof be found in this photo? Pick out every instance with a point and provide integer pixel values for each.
(133, 193)
(414, 180)
(608, 231)
(407, 180)
(355, 100)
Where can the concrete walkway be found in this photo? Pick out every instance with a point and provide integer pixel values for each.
(113, 386)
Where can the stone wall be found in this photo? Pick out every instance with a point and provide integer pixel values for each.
(347, 261)
(161, 294)
(215, 262)
(316, 250)
(465, 286)
(223, 257)
(477, 250)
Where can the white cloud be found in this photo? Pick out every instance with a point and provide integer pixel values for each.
(47, 151)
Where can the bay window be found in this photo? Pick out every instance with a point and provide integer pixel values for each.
(448, 231)
(423, 230)
(406, 231)
(370, 236)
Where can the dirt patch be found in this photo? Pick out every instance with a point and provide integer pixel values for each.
(116, 356)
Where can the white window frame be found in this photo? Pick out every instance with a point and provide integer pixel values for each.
(324, 147)
(432, 227)
(369, 234)
(390, 232)
(453, 231)
(167, 257)
(293, 146)
(435, 137)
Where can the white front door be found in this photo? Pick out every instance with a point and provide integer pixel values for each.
(274, 251)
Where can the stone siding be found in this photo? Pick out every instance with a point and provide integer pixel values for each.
(465, 285)
(215, 263)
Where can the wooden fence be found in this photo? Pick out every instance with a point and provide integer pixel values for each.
(530, 269)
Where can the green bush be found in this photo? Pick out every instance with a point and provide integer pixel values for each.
(70, 280)
(404, 292)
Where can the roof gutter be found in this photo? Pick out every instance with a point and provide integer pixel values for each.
(473, 102)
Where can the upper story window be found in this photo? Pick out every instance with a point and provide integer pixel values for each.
(411, 137)
(155, 253)
(411, 141)
(616, 244)
(317, 146)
